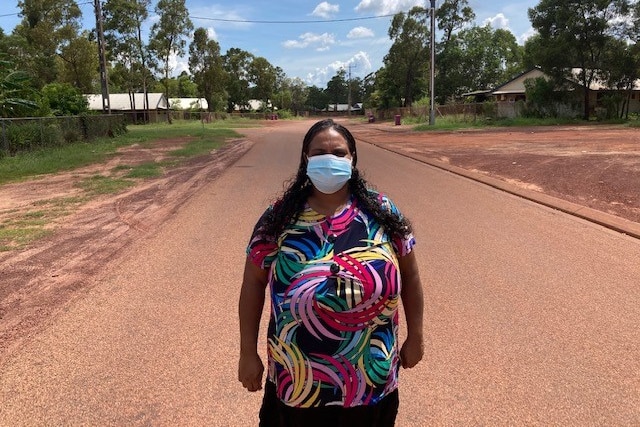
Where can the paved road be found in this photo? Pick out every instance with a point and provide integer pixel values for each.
(531, 314)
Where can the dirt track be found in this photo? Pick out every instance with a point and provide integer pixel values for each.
(598, 167)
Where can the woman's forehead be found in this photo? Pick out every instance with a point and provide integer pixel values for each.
(328, 137)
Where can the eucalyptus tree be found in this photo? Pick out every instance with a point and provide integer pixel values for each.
(574, 34)
(48, 26)
(79, 63)
(123, 24)
(337, 88)
(236, 63)
(262, 77)
(168, 35)
(291, 94)
(621, 75)
(205, 64)
(489, 57)
(317, 98)
(408, 58)
(452, 16)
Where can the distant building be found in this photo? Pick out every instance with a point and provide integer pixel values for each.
(132, 105)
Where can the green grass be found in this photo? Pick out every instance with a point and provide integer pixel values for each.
(100, 184)
(22, 228)
(73, 156)
(144, 170)
(202, 146)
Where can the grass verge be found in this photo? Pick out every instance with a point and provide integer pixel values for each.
(205, 137)
(21, 227)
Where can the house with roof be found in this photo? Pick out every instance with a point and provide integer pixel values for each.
(507, 94)
(132, 106)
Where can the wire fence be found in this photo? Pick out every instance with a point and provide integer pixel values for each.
(28, 134)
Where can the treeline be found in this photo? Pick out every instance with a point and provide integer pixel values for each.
(48, 60)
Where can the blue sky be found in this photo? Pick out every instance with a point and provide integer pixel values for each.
(303, 42)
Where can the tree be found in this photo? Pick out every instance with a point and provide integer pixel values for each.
(623, 60)
(236, 64)
(79, 63)
(574, 34)
(338, 89)
(64, 99)
(291, 95)
(263, 77)
(48, 26)
(123, 32)
(205, 63)
(168, 35)
(187, 88)
(452, 16)
(317, 99)
(407, 61)
(489, 56)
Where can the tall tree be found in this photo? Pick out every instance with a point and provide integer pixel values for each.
(168, 35)
(79, 63)
(452, 16)
(408, 57)
(488, 57)
(48, 26)
(263, 76)
(337, 88)
(317, 99)
(236, 64)
(123, 27)
(205, 64)
(574, 34)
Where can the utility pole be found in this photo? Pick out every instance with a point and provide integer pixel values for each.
(104, 81)
(432, 80)
(349, 90)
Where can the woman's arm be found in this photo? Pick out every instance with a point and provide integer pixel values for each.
(252, 294)
(412, 300)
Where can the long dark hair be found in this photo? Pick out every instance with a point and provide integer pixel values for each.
(289, 206)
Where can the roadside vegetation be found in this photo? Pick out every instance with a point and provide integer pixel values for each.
(51, 160)
(21, 227)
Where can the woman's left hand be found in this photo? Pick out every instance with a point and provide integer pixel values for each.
(411, 352)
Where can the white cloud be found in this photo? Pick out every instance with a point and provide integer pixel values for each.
(178, 65)
(360, 65)
(211, 33)
(527, 35)
(360, 33)
(387, 7)
(321, 42)
(326, 10)
(498, 21)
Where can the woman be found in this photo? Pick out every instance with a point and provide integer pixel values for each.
(337, 257)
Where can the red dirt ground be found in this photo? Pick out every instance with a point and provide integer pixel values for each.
(595, 166)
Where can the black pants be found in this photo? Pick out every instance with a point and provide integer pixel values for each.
(274, 413)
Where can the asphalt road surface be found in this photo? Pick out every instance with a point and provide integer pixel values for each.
(532, 316)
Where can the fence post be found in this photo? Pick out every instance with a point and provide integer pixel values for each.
(5, 142)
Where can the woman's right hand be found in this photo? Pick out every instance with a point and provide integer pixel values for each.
(250, 370)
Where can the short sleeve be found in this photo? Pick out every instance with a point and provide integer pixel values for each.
(402, 245)
(261, 250)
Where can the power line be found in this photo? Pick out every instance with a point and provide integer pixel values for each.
(323, 21)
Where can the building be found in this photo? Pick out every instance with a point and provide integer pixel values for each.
(132, 106)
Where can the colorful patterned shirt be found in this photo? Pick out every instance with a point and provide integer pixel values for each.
(335, 288)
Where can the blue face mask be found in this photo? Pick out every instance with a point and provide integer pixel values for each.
(328, 173)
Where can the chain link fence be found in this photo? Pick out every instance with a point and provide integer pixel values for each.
(32, 133)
